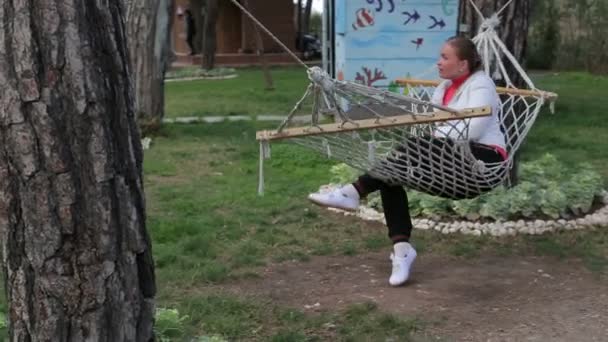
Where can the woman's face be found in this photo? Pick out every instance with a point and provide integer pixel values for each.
(449, 65)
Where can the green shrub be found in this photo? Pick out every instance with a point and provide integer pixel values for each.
(168, 324)
(547, 189)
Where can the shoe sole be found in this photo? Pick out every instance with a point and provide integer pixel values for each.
(332, 206)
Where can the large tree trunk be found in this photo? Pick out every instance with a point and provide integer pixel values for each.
(149, 35)
(76, 254)
(513, 28)
(210, 34)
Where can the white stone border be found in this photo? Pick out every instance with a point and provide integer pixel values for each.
(498, 228)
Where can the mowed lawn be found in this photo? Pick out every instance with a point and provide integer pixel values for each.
(578, 131)
(209, 227)
(244, 95)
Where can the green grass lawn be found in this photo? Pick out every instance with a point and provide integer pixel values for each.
(578, 131)
(244, 95)
(209, 226)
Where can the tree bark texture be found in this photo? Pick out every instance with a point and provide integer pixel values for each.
(149, 33)
(76, 254)
(513, 28)
(210, 34)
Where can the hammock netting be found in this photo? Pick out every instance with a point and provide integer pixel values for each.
(392, 135)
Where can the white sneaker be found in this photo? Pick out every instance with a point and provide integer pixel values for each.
(402, 264)
(345, 198)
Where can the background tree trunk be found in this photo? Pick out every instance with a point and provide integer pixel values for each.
(209, 34)
(198, 8)
(299, 26)
(513, 30)
(259, 46)
(149, 36)
(76, 254)
(306, 17)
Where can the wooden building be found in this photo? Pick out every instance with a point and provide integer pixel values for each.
(235, 34)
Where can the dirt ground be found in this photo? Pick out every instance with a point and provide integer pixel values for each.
(482, 299)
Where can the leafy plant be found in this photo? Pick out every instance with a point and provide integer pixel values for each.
(168, 324)
(343, 174)
(468, 208)
(212, 338)
(582, 188)
(547, 189)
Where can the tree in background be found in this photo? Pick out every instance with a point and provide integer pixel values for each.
(543, 35)
(259, 47)
(513, 29)
(568, 34)
(77, 260)
(583, 44)
(597, 39)
(304, 10)
(316, 23)
(209, 33)
(149, 38)
(306, 16)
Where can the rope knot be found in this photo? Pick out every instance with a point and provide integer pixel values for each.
(319, 77)
(490, 23)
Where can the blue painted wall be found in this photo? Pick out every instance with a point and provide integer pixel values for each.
(378, 41)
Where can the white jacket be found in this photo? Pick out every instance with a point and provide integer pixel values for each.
(477, 91)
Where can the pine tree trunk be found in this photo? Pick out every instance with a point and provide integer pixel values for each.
(209, 34)
(76, 254)
(148, 32)
(513, 28)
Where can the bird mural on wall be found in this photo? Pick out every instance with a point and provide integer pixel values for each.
(436, 23)
(365, 18)
(418, 42)
(411, 17)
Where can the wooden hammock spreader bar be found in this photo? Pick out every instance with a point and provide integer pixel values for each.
(357, 125)
(547, 95)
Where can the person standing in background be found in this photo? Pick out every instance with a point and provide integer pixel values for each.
(190, 30)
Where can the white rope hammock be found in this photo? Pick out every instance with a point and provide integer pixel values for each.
(390, 135)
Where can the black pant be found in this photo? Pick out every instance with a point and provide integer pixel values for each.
(394, 197)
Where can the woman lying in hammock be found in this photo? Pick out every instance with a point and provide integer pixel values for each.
(465, 86)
